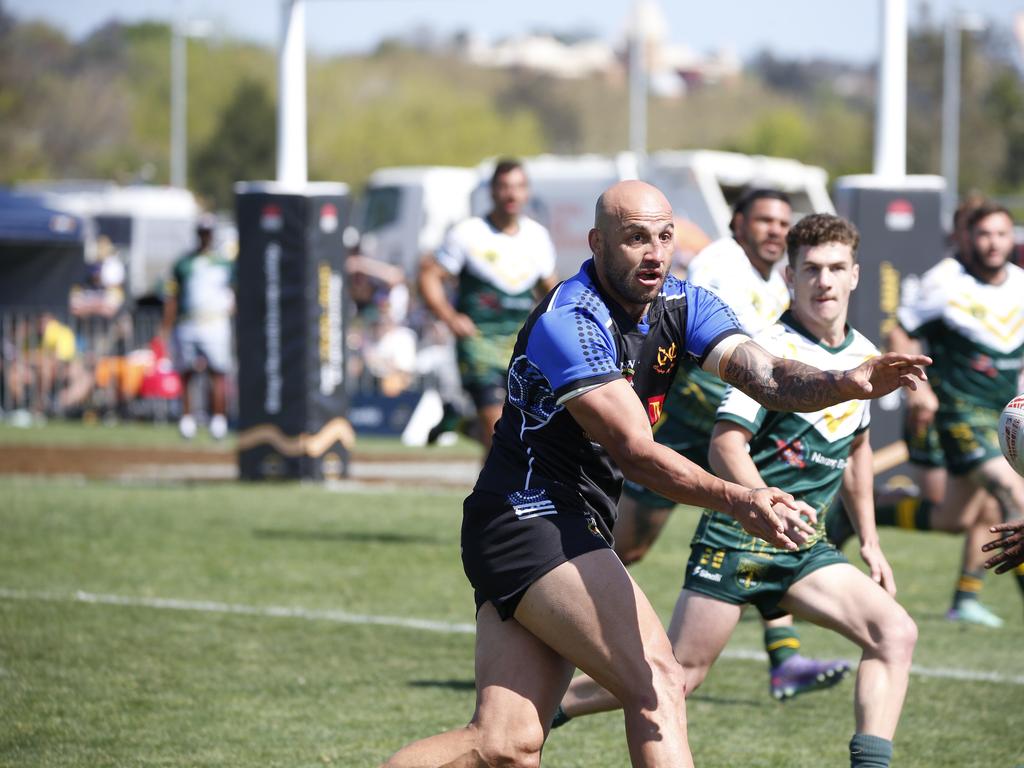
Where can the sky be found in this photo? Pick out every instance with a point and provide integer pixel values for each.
(839, 29)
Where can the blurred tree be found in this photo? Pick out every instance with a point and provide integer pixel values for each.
(241, 147)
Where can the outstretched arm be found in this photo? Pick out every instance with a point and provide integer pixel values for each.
(613, 416)
(780, 384)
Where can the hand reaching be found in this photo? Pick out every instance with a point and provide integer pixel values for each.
(886, 373)
(784, 528)
(1012, 546)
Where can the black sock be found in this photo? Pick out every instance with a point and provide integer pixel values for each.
(560, 718)
(910, 512)
(868, 751)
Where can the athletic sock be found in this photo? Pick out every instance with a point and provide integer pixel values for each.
(560, 718)
(781, 643)
(911, 513)
(968, 586)
(868, 751)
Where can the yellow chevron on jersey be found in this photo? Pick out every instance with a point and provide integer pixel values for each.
(983, 313)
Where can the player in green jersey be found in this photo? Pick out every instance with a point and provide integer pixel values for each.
(502, 263)
(970, 316)
(745, 271)
(814, 456)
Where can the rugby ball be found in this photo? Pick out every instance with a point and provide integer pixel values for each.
(1011, 433)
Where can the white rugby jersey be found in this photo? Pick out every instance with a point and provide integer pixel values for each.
(724, 269)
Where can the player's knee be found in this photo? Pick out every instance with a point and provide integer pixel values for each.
(514, 748)
(898, 638)
(693, 676)
(663, 688)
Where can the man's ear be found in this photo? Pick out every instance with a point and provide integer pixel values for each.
(595, 240)
(854, 275)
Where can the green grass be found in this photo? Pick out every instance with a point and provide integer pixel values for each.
(87, 684)
(149, 435)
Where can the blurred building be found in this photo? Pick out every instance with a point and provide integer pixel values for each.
(672, 68)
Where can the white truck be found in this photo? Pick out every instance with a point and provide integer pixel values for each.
(406, 210)
(150, 226)
(703, 184)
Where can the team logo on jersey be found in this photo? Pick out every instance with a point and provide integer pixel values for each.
(749, 574)
(666, 359)
(655, 406)
(792, 453)
(983, 364)
(833, 420)
(592, 526)
(629, 370)
(531, 502)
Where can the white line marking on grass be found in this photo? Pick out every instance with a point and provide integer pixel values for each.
(205, 606)
(446, 627)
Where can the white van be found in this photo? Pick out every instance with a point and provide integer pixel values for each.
(563, 191)
(703, 184)
(406, 211)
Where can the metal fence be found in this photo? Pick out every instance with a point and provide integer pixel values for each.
(102, 366)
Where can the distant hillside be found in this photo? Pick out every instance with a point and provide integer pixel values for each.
(100, 108)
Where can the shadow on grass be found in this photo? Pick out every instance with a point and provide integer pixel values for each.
(453, 685)
(726, 701)
(364, 537)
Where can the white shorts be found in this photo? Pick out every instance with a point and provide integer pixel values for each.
(209, 341)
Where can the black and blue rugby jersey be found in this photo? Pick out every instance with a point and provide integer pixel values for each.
(578, 338)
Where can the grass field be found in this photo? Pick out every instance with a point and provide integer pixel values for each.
(225, 624)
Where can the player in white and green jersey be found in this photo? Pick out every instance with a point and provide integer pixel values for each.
(813, 456)
(970, 315)
(745, 271)
(805, 453)
(199, 301)
(503, 262)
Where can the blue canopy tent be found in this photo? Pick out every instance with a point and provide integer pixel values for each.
(42, 254)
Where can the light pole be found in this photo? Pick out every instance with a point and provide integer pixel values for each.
(637, 68)
(956, 23)
(891, 118)
(181, 30)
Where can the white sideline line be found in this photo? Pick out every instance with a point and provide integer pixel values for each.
(452, 628)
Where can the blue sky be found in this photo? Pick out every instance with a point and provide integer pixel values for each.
(846, 29)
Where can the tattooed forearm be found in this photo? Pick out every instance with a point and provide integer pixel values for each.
(779, 384)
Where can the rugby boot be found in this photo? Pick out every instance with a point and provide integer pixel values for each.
(798, 674)
(973, 612)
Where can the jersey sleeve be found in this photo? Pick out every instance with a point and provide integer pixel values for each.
(925, 302)
(452, 253)
(734, 293)
(709, 320)
(573, 350)
(172, 285)
(740, 408)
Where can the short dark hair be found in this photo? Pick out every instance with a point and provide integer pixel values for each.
(969, 203)
(986, 209)
(819, 229)
(503, 166)
(750, 196)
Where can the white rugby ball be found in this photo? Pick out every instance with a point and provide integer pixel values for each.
(1011, 433)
